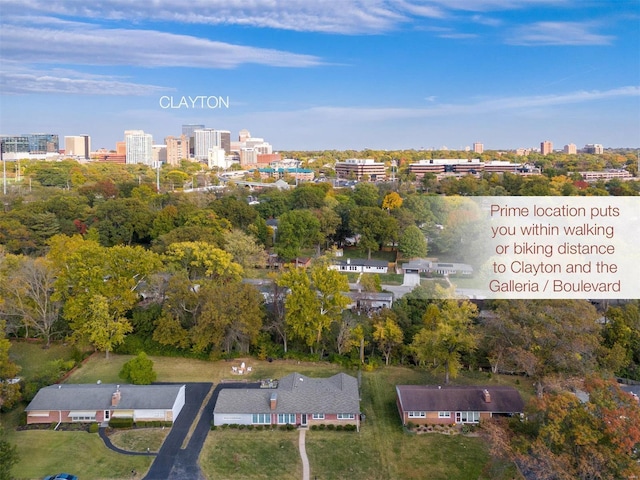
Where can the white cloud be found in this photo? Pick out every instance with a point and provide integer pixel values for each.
(558, 33)
(17, 80)
(482, 105)
(77, 43)
(328, 16)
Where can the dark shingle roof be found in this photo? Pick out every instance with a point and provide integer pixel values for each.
(98, 397)
(432, 398)
(296, 393)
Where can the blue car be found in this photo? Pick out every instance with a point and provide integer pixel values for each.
(61, 476)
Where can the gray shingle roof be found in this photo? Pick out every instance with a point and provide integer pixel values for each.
(296, 393)
(431, 398)
(98, 397)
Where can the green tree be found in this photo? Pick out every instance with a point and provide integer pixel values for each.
(139, 370)
(202, 260)
(123, 221)
(9, 391)
(297, 229)
(233, 323)
(365, 195)
(98, 286)
(315, 301)
(447, 335)
(8, 456)
(542, 338)
(374, 228)
(387, 333)
(412, 243)
(246, 251)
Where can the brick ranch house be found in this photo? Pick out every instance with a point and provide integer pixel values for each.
(67, 403)
(431, 404)
(295, 399)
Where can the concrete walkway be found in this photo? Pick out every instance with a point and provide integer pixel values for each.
(303, 454)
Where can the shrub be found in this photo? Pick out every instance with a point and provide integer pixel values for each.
(350, 427)
(314, 427)
(213, 427)
(94, 427)
(331, 426)
(339, 428)
(241, 427)
(291, 426)
(139, 370)
(121, 422)
(250, 427)
(411, 425)
(322, 426)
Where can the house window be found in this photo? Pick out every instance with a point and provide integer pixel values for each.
(261, 419)
(444, 414)
(346, 416)
(284, 418)
(318, 416)
(84, 418)
(467, 417)
(417, 414)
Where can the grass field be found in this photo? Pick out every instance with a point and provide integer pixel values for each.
(138, 440)
(382, 450)
(34, 360)
(44, 452)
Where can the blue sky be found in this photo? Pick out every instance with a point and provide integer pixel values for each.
(327, 74)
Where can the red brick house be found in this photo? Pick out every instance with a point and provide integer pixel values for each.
(295, 399)
(66, 403)
(431, 404)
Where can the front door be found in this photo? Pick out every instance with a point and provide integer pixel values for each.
(303, 420)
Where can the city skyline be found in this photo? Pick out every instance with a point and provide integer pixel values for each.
(383, 74)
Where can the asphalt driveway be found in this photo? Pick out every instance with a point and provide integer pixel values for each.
(175, 463)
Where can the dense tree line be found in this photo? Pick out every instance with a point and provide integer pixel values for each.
(94, 254)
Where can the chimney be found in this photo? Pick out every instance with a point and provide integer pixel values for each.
(486, 395)
(115, 397)
(273, 401)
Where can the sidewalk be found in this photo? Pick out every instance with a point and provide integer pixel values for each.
(303, 454)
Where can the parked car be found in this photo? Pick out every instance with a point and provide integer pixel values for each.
(61, 476)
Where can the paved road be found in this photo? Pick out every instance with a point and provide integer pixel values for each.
(175, 463)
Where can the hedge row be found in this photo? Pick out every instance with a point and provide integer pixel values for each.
(117, 422)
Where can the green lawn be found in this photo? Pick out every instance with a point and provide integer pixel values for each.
(243, 454)
(44, 452)
(139, 439)
(34, 360)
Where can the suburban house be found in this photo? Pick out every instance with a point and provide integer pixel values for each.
(421, 265)
(369, 301)
(360, 265)
(66, 403)
(429, 404)
(294, 399)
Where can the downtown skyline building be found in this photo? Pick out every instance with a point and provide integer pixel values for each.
(138, 147)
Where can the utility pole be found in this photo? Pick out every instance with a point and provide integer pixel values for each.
(4, 169)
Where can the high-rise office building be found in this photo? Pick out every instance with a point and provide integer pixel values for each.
(206, 138)
(478, 147)
(139, 147)
(43, 142)
(187, 130)
(570, 149)
(546, 147)
(177, 149)
(78, 146)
